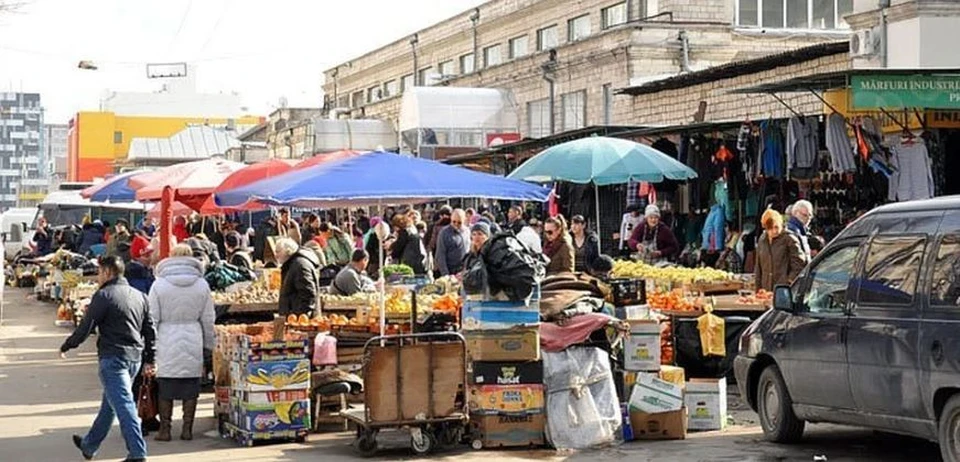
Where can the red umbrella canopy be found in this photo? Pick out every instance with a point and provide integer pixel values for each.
(256, 172)
(192, 182)
(324, 158)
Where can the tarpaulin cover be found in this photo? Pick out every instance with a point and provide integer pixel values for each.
(378, 176)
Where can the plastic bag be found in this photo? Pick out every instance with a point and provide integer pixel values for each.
(712, 337)
(582, 406)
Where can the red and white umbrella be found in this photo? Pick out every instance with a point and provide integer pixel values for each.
(191, 182)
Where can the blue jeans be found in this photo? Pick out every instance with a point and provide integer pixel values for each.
(116, 375)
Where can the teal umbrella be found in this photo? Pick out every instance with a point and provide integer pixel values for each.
(602, 161)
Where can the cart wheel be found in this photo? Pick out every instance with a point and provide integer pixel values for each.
(366, 444)
(477, 445)
(424, 443)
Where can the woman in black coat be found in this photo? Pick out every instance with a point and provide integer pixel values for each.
(408, 248)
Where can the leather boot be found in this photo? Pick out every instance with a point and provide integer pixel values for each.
(189, 411)
(165, 409)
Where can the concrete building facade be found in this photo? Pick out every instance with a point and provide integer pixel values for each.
(588, 49)
(56, 142)
(23, 168)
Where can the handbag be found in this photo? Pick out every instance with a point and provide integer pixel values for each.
(146, 404)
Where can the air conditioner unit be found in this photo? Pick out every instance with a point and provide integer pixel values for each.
(865, 43)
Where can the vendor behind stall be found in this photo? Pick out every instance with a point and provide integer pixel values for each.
(653, 240)
(351, 279)
(43, 238)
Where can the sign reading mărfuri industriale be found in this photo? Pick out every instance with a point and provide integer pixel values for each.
(906, 91)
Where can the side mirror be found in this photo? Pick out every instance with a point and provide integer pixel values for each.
(783, 298)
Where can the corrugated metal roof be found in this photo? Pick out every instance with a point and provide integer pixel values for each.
(197, 142)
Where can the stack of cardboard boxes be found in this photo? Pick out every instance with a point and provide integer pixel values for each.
(506, 393)
(661, 403)
(269, 390)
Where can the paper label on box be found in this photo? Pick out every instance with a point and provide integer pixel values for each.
(652, 395)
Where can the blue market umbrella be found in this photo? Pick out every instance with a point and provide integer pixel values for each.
(602, 161)
(379, 178)
(113, 189)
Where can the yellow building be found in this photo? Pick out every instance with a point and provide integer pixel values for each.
(98, 140)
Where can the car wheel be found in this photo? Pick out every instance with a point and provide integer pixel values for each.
(775, 408)
(949, 430)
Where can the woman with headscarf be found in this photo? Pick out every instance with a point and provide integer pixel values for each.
(653, 239)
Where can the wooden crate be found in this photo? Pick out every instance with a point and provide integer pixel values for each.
(397, 384)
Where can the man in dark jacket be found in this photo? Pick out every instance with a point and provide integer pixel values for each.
(121, 316)
(453, 244)
(92, 235)
(515, 222)
(442, 221)
(299, 268)
(267, 228)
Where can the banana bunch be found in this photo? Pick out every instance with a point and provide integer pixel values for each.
(639, 270)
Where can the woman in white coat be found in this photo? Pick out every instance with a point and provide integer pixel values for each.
(182, 309)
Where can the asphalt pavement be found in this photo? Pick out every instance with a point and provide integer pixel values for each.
(44, 400)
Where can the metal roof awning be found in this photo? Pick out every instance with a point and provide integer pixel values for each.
(544, 142)
(834, 80)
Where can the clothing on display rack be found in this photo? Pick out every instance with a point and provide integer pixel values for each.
(771, 149)
(912, 178)
(713, 229)
(838, 144)
(802, 146)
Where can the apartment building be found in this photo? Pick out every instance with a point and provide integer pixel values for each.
(22, 166)
(564, 60)
(56, 145)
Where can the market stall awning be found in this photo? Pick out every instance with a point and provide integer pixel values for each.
(324, 158)
(379, 177)
(602, 161)
(113, 189)
(193, 182)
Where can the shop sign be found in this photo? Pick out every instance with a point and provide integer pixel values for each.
(906, 91)
(497, 139)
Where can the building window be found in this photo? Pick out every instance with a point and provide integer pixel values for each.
(390, 89)
(356, 100)
(607, 91)
(538, 118)
(491, 56)
(373, 94)
(578, 28)
(423, 75)
(574, 110)
(406, 82)
(468, 63)
(447, 69)
(343, 101)
(518, 47)
(614, 15)
(117, 137)
(794, 14)
(547, 38)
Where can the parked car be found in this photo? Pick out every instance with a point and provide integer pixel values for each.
(868, 334)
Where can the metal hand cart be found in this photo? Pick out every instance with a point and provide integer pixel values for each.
(415, 382)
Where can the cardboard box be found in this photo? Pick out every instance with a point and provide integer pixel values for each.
(520, 344)
(494, 315)
(641, 350)
(661, 426)
(270, 417)
(265, 397)
(498, 399)
(674, 375)
(509, 430)
(707, 401)
(652, 395)
(247, 350)
(522, 373)
(270, 375)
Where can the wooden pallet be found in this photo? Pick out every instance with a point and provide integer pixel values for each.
(248, 438)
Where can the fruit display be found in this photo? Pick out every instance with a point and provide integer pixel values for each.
(397, 270)
(666, 342)
(257, 293)
(674, 300)
(761, 297)
(449, 303)
(358, 300)
(639, 270)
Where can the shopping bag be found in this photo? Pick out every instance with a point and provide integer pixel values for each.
(712, 338)
(146, 405)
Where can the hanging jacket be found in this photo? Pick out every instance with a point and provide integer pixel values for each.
(912, 178)
(713, 229)
(838, 144)
(181, 306)
(802, 144)
(772, 149)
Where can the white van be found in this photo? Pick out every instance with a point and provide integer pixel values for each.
(17, 226)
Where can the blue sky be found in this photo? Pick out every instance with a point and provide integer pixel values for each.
(260, 49)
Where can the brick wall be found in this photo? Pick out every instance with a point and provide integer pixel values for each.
(673, 107)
